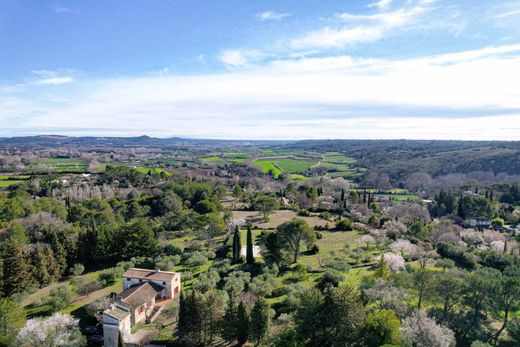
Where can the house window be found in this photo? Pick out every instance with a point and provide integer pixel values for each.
(164, 283)
(128, 279)
(140, 281)
(141, 309)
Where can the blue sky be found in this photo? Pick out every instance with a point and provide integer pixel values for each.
(261, 69)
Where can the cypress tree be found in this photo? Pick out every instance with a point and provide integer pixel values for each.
(364, 196)
(249, 248)
(16, 268)
(460, 209)
(181, 324)
(259, 321)
(237, 245)
(242, 324)
(342, 194)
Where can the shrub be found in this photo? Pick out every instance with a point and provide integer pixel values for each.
(172, 250)
(60, 298)
(109, 276)
(330, 277)
(304, 213)
(77, 269)
(314, 249)
(88, 288)
(186, 276)
(344, 225)
(457, 254)
(196, 259)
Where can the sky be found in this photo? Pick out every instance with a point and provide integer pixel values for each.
(261, 69)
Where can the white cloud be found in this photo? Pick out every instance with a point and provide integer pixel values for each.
(56, 80)
(466, 95)
(239, 58)
(360, 29)
(51, 77)
(508, 14)
(272, 16)
(381, 4)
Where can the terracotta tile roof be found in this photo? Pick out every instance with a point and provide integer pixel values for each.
(137, 295)
(150, 274)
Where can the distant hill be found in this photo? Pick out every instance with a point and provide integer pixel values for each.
(400, 158)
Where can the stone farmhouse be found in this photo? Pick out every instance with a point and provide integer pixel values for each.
(145, 294)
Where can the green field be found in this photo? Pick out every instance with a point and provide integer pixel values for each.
(226, 157)
(155, 170)
(60, 164)
(8, 180)
(335, 157)
(288, 165)
(267, 165)
(298, 177)
(235, 155)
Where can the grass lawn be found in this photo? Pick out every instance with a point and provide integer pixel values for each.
(298, 177)
(35, 303)
(276, 218)
(332, 241)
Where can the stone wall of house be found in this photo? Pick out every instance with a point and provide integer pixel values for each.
(169, 285)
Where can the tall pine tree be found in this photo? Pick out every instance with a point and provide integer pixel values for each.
(242, 324)
(16, 268)
(228, 332)
(249, 248)
(259, 324)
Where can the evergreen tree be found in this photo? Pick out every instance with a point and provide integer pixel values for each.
(16, 268)
(137, 240)
(190, 325)
(259, 321)
(460, 209)
(12, 319)
(181, 322)
(249, 248)
(60, 254)
(342, 194)
(237, 245)
(16, 232)
(39, 263)
(229, 322)
(242, 324)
